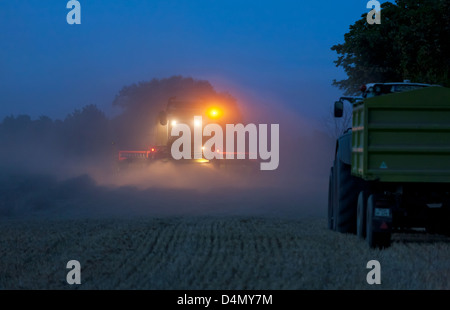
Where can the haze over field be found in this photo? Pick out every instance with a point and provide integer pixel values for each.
(57, 168)
(49, 184)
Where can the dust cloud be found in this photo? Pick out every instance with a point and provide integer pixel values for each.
(68, 169)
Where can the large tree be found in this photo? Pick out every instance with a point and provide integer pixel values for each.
(412, 42)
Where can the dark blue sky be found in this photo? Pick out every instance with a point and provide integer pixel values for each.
(265, 50)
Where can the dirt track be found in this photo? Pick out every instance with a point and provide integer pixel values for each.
(210, 253)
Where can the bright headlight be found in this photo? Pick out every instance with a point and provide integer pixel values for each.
(214, 113)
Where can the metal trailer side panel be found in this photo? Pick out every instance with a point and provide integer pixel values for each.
(358, 141)
(403, 137)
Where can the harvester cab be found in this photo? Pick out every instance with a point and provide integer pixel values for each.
(183, 111)
(195, 113)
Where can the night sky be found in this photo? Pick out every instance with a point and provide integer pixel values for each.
(263, 51)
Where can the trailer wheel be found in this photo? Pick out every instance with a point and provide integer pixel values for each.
(437, 221)
(445, 221)
(375, 239)
(361, 215)
(347, 190)
(330, 201)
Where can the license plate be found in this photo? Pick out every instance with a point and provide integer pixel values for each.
(382, 212)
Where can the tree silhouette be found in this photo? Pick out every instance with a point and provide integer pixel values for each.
(87, 134)
(412, 42)
(85, 131)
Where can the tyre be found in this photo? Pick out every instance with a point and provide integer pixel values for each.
(330, 201)
(345, 199)
(361, 214)
(445, 228)
(375, 239)
(437, 221)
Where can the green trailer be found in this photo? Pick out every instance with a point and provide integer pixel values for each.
(392, 168)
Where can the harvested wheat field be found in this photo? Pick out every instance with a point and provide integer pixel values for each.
(221, 252)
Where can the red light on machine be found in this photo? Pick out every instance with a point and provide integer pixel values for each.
(363, 88)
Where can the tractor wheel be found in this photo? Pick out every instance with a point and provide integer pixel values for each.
(361, 215)
(437, 221)
(330, 200)
(347, 190)
(375, 239)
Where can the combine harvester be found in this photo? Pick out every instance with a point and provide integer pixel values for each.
(391, 171)
(183, 112)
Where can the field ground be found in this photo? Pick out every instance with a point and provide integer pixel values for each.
(220, 252)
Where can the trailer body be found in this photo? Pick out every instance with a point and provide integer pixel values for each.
(391, 171)
(403, 137)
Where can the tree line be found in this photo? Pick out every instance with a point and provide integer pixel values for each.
(411, 43)
(88, 132)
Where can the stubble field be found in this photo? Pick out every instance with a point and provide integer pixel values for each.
(214, 252)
